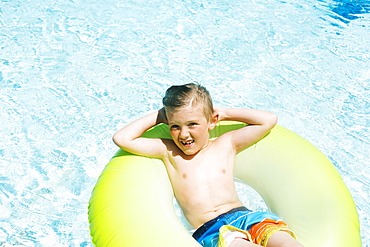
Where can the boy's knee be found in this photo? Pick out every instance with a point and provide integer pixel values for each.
(282, 239)
(242, 243)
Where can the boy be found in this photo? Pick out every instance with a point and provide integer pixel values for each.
(201, 170)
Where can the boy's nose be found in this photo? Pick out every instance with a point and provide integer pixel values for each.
(184, 133)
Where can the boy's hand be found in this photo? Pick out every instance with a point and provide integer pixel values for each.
(162, 118)
(217, 112)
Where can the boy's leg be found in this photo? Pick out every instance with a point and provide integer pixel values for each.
(282, 239)
(238, 242)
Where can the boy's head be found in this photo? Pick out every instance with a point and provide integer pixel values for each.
(189, 112)
(190, 94)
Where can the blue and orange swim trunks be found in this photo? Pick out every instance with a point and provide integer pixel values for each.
(256, 227)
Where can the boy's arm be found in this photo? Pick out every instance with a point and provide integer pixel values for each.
(129, 137)
(259, 124)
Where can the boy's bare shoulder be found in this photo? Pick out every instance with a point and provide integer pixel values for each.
(171, 147)
(169, 143)
(236, 139)
(224, 139)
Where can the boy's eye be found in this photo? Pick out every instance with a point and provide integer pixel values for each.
(192, 124)
(174, 127)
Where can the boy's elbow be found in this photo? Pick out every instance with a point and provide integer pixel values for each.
(115, 139)
(273, 119)
(118, 140)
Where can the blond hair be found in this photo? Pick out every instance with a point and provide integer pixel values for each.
(188, 94)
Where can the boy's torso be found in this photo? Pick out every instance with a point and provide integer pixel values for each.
(204, 183)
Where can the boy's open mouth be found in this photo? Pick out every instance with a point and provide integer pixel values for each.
(187, 143)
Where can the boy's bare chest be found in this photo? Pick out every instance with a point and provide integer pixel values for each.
(206, 167)
(204, 183)
(201, 168)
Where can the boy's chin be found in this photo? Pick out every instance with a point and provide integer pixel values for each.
(190, 152)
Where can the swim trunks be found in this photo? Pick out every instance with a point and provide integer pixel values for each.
(240, 222)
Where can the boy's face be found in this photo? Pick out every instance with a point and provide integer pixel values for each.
(189, 128)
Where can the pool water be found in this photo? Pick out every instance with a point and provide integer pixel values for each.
(72, 72)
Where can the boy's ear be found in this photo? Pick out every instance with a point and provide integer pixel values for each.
(214, 121)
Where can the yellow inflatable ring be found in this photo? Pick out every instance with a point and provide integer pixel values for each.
(132, 202)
